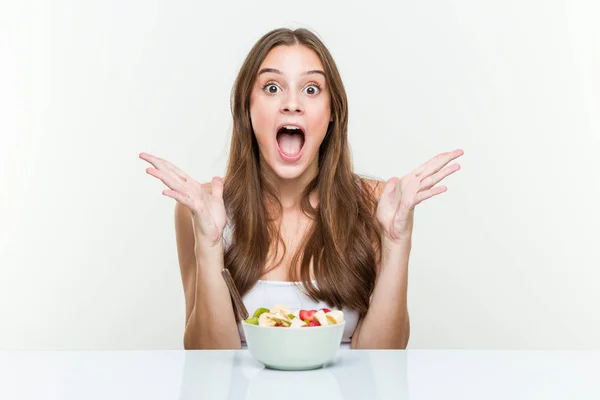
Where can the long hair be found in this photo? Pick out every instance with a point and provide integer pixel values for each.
(343, 239)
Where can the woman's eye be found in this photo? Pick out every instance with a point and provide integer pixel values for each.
(312, 90)
(271, 88)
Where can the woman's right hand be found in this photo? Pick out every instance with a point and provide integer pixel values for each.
(208, 209)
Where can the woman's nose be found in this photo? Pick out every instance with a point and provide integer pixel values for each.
(292, 104)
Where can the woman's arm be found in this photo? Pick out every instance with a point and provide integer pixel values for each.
(200, 218)
(210, 320)
(386, 324)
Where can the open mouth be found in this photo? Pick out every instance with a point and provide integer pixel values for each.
(290, 140)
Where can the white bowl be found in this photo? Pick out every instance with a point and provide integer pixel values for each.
(293, 349)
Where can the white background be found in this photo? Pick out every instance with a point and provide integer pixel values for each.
(507, 258)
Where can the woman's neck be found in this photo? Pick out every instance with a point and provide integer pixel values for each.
(290, 191)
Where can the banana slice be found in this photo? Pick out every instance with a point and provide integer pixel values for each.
(320, 316)
(266, 319)
(297, 323)
(281, 310)
(335, 316)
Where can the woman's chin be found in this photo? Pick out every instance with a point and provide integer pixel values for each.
(287, 171)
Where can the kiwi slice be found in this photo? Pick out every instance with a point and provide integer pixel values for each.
(282, 321)
(260, 311)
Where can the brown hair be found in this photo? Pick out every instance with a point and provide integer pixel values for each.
(343, 240)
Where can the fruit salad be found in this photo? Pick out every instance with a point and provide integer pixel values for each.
(281, 317)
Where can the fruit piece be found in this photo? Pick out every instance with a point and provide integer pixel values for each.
(252, 320)
(298, 323)
(326, 310)
(314, 323)
(307, 315)
(281, 321)
(260, 311)
(335, 316)
(266, 319)
(281, 310)
(320, 316)
(291, 316)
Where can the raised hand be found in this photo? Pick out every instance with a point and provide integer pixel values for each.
(400, 196)
(207, 208)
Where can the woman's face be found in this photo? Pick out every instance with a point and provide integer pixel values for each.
(290, 111)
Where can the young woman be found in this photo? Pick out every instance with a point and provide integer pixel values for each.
(291, 220)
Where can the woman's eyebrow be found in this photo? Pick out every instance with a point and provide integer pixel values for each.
(276, 71)
(314, 71)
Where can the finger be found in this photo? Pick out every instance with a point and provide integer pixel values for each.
(406, 193)
(427, 194)
(159, 163)
(436, 178)
(180, 173)
(436, 163)
(151, 159)
(217, 187)
(167, 178)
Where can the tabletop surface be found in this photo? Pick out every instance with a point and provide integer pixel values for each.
(354, 374)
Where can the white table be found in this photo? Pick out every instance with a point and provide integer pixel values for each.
(413, 374)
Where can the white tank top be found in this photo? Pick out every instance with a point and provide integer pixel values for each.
(271, 293)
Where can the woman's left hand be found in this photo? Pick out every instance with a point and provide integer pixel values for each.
(400, 196)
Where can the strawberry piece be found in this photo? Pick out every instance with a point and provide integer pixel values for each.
(314, 323)
(306, 315)
(303, 314)
(326, 310)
